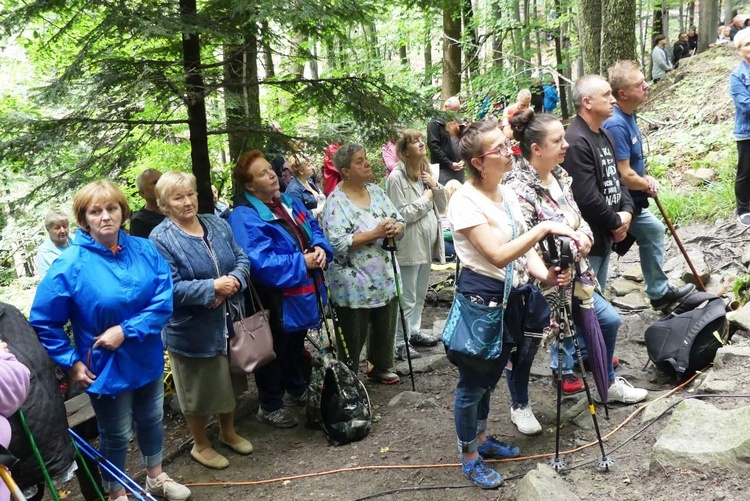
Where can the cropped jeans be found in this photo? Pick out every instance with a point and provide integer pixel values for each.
(144, 408)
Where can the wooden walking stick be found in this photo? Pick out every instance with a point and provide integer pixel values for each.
(698, 280)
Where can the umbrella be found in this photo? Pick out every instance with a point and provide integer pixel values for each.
(584, 316)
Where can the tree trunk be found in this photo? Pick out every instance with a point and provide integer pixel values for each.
(709, 16)
(451, 50)
(591, 35)
(471, 41)
(560, 67)
(196, 108)
(517, 34)
(681, 11)
(727, 12)
(618, 33)
(403, 55)
(691, 14)
(371, 35)
(497, 38)
(526, 30)
(314, 59)
(538, 37)
(267, 54)
(428, 60)
(295, 63)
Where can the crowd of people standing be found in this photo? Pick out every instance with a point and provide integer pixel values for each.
(174, 281)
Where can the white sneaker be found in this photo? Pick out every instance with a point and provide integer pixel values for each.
(525, 420)
(622, 391)
(166, 488)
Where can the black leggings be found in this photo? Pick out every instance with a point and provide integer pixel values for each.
(742, 182)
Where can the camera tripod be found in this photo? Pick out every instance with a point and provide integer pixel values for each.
(561, 305)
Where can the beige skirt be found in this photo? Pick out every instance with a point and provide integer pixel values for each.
(205, 386)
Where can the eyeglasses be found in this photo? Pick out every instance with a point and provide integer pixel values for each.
(504, 150)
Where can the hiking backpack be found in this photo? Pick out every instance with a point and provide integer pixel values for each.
(337, 401)
(686, 340)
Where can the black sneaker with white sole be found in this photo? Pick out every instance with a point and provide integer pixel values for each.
(673, 295)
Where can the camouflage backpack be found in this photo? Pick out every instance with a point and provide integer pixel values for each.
(337, 401)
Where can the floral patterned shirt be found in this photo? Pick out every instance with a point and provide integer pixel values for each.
(361, 278)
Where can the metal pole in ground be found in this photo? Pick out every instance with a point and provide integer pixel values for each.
(389, 244)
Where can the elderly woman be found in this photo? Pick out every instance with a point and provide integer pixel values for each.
(738, 87)
(287, 252)
(419, 199)
(357, 218)
(304, 188)
(544, 193)
(116, 291)
(485, 217)
(208, 268)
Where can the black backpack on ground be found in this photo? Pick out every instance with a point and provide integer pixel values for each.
(686, 340)
(337, 401)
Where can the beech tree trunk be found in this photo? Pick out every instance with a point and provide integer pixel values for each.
(709, 16)
(591, 35)
(428, 60)
(196, 109)
(618, 32)
(267, 54)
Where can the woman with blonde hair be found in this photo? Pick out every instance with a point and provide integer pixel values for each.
(419, 199)
(116, 291)
(208, 269)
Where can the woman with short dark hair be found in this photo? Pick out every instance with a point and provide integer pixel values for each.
(357, 217)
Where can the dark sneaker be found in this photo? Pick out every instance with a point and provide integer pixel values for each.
(570, 383)
(401, 353)
(492, 449)
(422, 339)
(744, 219)
(479, 472)
(383, 376)
(298, 400)
(280, 418)
(673, 295)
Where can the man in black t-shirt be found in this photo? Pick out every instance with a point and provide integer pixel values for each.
(149, 216)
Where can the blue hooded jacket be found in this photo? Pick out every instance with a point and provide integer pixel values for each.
(96, 288)
(277, 262)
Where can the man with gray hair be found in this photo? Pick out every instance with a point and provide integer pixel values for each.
(149, 216)
(604, 201)
(57, 226)
(444, 147)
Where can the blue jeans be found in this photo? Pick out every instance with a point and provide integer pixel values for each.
(569, 354)
(649, 235)
(116, 415)
(519, 372)
(600, 267)
(609, 322)
(472, 405)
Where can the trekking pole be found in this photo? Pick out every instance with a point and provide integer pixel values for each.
(38, 457)
(106, 466)
(11, 484)
(663, 211)
(389, 244)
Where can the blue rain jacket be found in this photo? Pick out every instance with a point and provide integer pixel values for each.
(276, 259)
(96, 288)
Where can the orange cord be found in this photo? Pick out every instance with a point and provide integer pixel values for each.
(446, 465)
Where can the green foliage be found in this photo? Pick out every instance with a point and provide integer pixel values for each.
(742, 289)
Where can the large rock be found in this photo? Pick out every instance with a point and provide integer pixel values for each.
(731, 370)
(635, 301)
(700, 436)
(413, 399)
(740, 318)
(623, 287)
(543, 484)
(633, 272)
(698, 177)
(678, 269)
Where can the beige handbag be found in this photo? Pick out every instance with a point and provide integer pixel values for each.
(252, 345)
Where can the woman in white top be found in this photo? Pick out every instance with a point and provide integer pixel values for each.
(419, 198)
(482, 231)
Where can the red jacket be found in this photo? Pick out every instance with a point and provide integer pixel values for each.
(331, 176)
